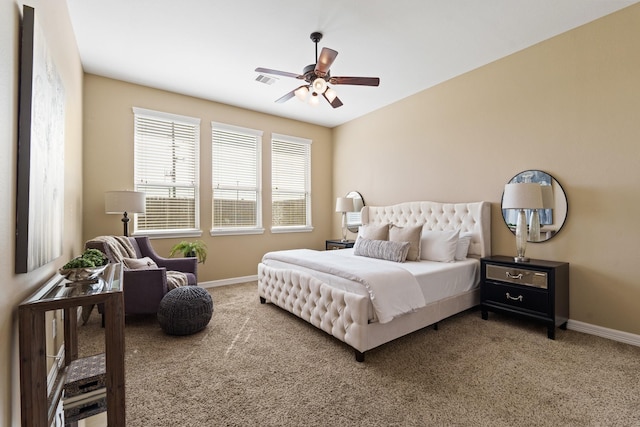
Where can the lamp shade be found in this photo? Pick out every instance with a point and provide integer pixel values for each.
(344, 204)
(522, 196)
(547, 197)
(118, 202)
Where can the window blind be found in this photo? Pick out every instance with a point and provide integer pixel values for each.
(290, 178)
(236, 177)
(166, 170)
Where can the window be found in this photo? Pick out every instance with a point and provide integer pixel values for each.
(291, 183)
(235, 165)
(166, 170)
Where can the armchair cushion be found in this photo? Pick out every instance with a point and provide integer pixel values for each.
(144, 263)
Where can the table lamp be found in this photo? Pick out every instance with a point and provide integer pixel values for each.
(344, 205)
(522, 196)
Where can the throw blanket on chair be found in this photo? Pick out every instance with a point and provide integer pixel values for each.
(175, 279)
(120, 248)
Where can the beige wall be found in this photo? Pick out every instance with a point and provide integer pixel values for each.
(576, 98)
(54, 22)
(108, 165)
(569, 106)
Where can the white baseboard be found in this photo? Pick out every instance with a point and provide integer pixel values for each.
(225, 282)
(612, 334)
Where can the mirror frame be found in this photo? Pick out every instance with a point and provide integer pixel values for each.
(557, 215)
(354, 219)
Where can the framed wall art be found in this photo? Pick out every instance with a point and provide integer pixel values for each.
(40, 180)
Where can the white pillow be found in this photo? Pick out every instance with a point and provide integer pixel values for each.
(438, 245)
(462, 249)
(408, 233)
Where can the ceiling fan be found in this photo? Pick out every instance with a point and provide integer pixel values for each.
(317, 77)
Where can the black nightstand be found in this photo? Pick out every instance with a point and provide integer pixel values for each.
(538, 290)
(339, 244)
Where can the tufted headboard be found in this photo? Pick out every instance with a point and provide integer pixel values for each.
(474, 218)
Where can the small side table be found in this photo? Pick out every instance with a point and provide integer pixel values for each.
(537, 290)
(339, 244)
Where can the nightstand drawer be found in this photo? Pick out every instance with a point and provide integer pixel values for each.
(516, 296)
(518, 276)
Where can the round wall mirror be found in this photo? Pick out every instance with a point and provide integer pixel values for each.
(354, 219)
(553, 217)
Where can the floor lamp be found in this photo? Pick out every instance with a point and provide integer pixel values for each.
(124, 202)
(522, 196)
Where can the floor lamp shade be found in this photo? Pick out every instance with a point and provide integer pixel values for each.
(124, 202)
(522, 196)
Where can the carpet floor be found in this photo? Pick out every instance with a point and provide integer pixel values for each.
(257, 365)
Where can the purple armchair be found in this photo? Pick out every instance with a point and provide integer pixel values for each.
(145, 288)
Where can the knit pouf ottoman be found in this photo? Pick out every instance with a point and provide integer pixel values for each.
(185, 310)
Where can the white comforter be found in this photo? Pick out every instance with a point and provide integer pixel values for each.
(393, 290)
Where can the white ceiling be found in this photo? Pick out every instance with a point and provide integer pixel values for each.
(210, 48)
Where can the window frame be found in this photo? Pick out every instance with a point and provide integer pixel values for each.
(184, 120)
(258, 228)
(308, 227)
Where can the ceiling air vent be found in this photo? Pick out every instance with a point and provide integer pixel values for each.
(264, 79)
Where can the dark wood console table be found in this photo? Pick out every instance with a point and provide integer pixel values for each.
(37, 405)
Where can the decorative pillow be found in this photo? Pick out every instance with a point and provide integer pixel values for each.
(145, 263)
(462, 249)
(374, 232)
(381, 249)
(439, 245)
(409, 234)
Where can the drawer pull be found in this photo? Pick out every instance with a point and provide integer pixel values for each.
(514, 276)
(518, 298)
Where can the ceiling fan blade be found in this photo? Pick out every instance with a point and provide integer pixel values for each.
(288, 96)
(335, 103)
(278, 73)
(361, 81)
(327, 56)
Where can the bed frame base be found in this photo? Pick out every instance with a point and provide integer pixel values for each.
(345, 315)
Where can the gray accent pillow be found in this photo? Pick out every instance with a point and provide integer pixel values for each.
(374, 232)
(381, 249)
(408, 233)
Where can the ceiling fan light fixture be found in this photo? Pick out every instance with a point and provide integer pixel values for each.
(317, 77)
(301, 93)
(330, 94)
(319, 85)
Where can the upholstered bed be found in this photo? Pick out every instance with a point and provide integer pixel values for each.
(389, 284)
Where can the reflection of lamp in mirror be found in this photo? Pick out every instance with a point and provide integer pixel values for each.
(534, 223)
(547, 203)
(344, 205)
(522, 196)
(124, 202)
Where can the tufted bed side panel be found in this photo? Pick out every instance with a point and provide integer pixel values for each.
(474, 218)
(339, 313)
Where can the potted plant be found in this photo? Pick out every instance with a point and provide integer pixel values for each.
(196, 249)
